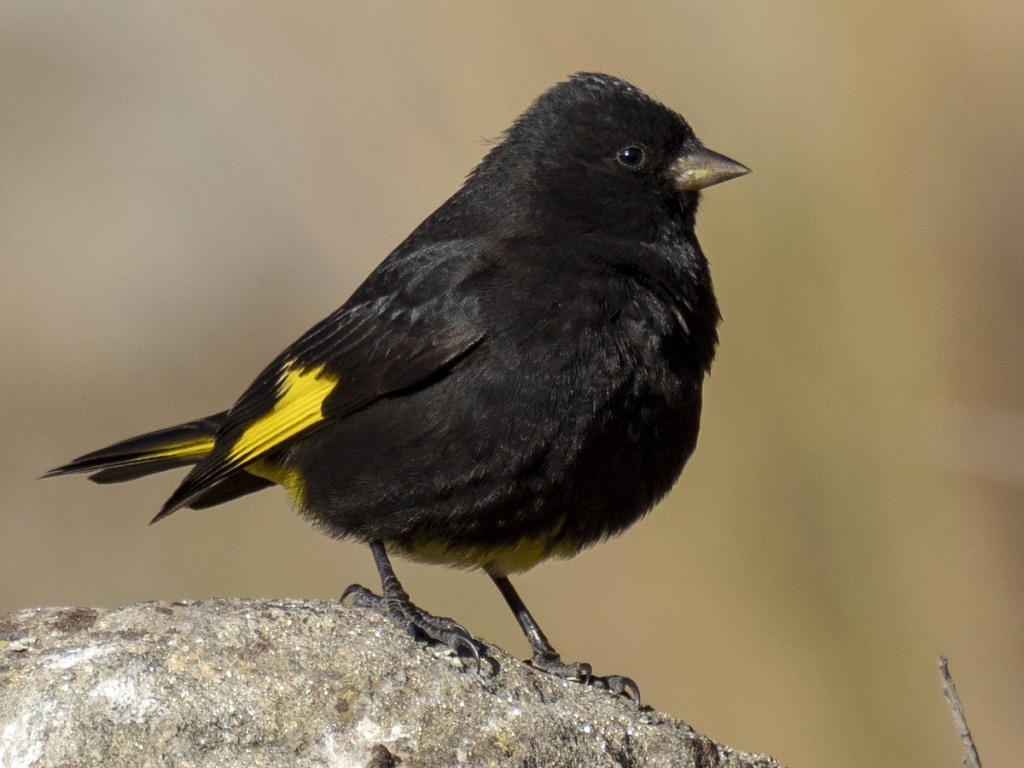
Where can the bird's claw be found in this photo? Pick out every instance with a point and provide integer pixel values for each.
(582, 672)
(416, 621)
(618, 685)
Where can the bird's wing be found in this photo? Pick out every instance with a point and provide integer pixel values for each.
(409, 322)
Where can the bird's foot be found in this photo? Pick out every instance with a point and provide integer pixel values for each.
(396, 605)
(580, 671)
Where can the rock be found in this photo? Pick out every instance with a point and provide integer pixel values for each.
(294, 683)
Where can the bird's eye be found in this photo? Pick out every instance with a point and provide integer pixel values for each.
(631, 157)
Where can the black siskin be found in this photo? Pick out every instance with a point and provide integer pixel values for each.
(520, 379)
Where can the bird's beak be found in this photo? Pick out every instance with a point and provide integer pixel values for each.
(700, 167)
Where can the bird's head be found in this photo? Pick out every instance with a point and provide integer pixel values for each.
(594, 153)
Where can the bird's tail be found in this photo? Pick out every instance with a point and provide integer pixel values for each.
(179, 446)
(146, 454)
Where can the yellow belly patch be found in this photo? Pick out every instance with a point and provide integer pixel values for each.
(496, 560)
(289, 477)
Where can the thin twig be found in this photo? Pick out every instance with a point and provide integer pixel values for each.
(971, 759)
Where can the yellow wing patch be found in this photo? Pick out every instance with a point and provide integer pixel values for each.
(196, 448)
(300, 396)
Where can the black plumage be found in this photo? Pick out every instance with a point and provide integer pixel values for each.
(520, 379)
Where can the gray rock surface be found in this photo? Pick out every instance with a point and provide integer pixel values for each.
(294, 683)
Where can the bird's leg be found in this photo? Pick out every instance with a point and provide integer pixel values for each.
(394, 603)
(547, 659)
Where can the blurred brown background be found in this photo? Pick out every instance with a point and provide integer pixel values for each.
(184, 188)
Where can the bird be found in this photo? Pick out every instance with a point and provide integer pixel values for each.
(520, 379)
